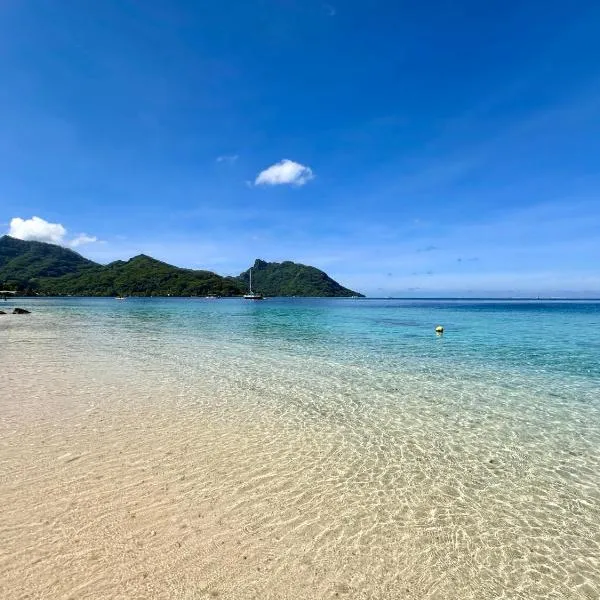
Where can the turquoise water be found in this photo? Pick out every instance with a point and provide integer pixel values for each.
(534, 336)
(467, 464)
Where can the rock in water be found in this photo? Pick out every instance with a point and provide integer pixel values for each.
(20, 311)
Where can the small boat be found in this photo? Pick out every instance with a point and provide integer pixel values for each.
(253, 295)
(120, 297)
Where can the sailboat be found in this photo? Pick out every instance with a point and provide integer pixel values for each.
(252, 295)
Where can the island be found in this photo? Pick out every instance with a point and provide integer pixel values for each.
(42, 269)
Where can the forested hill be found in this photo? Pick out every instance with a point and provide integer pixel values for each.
(22, 261)
(141, 276)
(292, 279)
(51, 270)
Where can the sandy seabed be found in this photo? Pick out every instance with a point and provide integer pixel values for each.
(121, 483)
(113, 502)
(115, 490)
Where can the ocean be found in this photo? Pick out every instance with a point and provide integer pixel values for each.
(300, 448)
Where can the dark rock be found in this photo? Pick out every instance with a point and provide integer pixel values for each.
(20, 311)
(2, 312)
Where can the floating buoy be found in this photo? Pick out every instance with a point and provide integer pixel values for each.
(439, 330)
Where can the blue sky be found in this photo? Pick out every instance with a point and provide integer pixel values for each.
(434, 148)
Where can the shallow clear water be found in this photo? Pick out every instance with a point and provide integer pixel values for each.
(408, 464)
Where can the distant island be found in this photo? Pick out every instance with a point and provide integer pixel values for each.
(292, 279)
(41, 269)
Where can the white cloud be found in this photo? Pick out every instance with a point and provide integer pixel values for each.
(40, 230)
(37, 229)
(285, 172)
(227, 158)
(82, 239)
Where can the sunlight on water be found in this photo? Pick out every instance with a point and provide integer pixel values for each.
(300, 449)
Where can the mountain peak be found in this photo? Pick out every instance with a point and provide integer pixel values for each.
(145, 259)
(260, 264)
(292, 279)
(142, 257)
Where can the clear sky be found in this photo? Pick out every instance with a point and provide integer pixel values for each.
(406, 148)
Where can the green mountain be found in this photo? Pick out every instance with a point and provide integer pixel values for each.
(141, 276)
(46, 269)
(22, 261)
(292, 279)
(50, 270)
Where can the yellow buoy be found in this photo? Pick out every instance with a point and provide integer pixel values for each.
(439, 329)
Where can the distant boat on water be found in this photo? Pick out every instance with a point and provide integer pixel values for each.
(253, 295)
(120, 297)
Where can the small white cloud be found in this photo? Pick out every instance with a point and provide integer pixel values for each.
(40, 230)
(82, 239)
(231, 158)
(285, 172)
(36, 229)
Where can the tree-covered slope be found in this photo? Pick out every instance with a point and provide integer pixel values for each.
(292, 279)
(21, 261)
(142, 276)
(47, 269)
